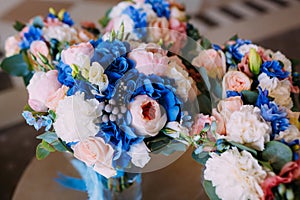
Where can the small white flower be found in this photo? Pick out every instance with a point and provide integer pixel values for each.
(139, 154)
(289, 135)
(245, 48)
(246, 126)
(278, 89)
(76, 118)
(97, 76)
(236, 175)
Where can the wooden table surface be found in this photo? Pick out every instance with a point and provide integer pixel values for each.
(180, 180)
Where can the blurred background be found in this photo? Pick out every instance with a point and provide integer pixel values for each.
(273, 24)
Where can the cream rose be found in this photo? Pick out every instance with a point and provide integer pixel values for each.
(38, 93)
(97, 76)
(158, 29)
(213, 61)
(236, 81)
(236, 175)
(53, 100)
(76, 118)
(12, 46)
(247, 127)
(139, 154)
(94, 152)
(229, 105)
(147, 117)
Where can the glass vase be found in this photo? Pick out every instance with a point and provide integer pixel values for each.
(124, 186)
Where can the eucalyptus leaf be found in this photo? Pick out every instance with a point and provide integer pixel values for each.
(41, 152)
(171, 148)
(18, 26)
(15, 65)
(210, 190)
(49, 137)
(47, 146)
(201, 157)
(243, 147)
(158, 142)
(205, 43)
(249, 97)
(277, 154)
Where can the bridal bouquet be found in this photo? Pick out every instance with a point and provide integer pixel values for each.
(250, 144)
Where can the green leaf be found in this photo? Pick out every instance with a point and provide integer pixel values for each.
(210, 190)
(243, 147)
(205, 43)
(171, 148)
(41, 152)
(157, 142)
(15, 65)
(250, 97)
(201, 157)
(27, 78)
(234, 38)
(105, 20)
(47, 146)
(277, 154)
(18, 26)
(52, 114)
(49, 137)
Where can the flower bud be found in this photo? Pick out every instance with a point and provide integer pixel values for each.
(255, 61)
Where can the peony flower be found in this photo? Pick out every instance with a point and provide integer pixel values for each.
(94, 152)
(79, 55)
(53, 100)
(97, 76)
(229, 105)
(139, 154)
(236, 81)
(76, 118)
(147, 117)
(213, 61)
(236, 175)
(12, 46)
(39, 47)
(278, 89)
(246, 126)
(38, 93)
(62, 33)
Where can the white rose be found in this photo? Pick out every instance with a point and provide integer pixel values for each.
(279, 90)
(245, 48)
(289, 135)
(97, 76)
(63, 33)
(76, 118)
(139, 154)
(236, 175)
(118, 9)
(247, 127)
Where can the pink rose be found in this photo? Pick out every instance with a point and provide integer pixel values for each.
(229, 105)
(53, 100)
(39, 47)
(150, 59)
(94, 152)
(158, 29)
(199, 123)
(236, 81)
(41, 87)
(177, 35)
(221, 128)
(12, 46)
(74, 54)
(213, 61)
(147, 117)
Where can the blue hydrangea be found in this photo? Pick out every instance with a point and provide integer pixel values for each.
(67, 19)
(33, 34)
(39, 121)
(274, 69)
(65, 74)
(262, 97)
(160, 7)
(231, 93)
(139, 17)
(106, 52)
(233, 51)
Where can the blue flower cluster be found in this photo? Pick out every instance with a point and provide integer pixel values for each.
(65, 74)
(160, 7)
(41, 121)
(274, 69)
(65, 19)
(233, 49)
(272, 113)
(33, 34)
(139, 17)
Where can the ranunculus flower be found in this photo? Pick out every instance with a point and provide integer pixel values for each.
(79, 55)
(12, 46)
(229, 105)
(97, 76)
(53, 100)
(38, 93)
(94, 152)
(236, 175)
(147, 117)
(77, 118)
(139, 154)
(39, 47)
(236, 81)
(246, 126)
(213, 61)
